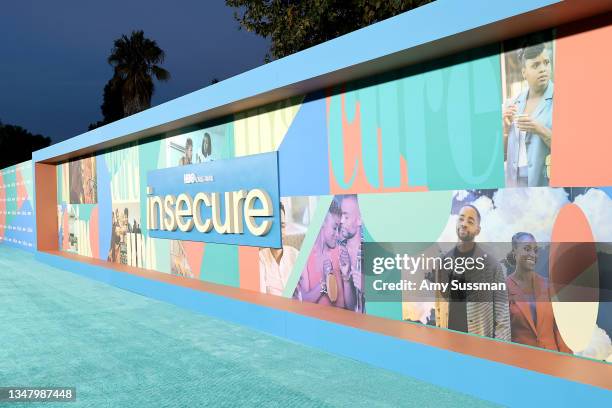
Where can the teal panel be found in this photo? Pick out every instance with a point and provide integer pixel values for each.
(336, 139)
(368, 98)
(443, 118)
(220, 264)
(388, 310)
(463, 123)
(84, 210)
(405, 217)
(27, 172)
(150, 158)
(162, 254)
(228, 148)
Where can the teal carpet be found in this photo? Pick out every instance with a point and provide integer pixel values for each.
(120, 349)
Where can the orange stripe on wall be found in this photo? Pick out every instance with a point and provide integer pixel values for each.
(248, 261)
(46, 207)
(582, 142)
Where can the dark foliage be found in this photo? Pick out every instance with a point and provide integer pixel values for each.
(17, 144)
(295, 25)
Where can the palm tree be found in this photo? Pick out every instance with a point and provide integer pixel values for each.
(136, 61)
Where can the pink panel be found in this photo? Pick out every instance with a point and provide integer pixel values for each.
(66, 230)
(581, 141)
(572, 252)
(22, 191)
(93, 233)
(194, 252)
(248, 260)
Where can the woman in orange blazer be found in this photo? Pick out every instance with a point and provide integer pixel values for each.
(531, 314)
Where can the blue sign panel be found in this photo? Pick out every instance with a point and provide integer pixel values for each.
(232, 201)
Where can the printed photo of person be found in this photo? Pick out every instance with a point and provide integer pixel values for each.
(333, 272)
(206, 150)
(127, 244)
(83, 181)
(320, 280)
(480, 312)
(350, 252)
(527, 72)
(199, 146)
(73, 238)
(179, 264)
(531, 314)
(276, 264)
(526, 259)
(188, 153)
(60, 229)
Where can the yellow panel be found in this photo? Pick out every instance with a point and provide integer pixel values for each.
(263, 129)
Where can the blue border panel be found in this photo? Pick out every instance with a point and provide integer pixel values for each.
(481, 378)
(303, 157)
(437, 20)
(105, 206)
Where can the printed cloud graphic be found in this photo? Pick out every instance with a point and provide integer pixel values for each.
(510, 211)
(600, 347)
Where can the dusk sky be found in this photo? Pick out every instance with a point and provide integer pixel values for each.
(53, 55)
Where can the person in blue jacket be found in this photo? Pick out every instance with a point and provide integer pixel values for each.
(528, 121)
